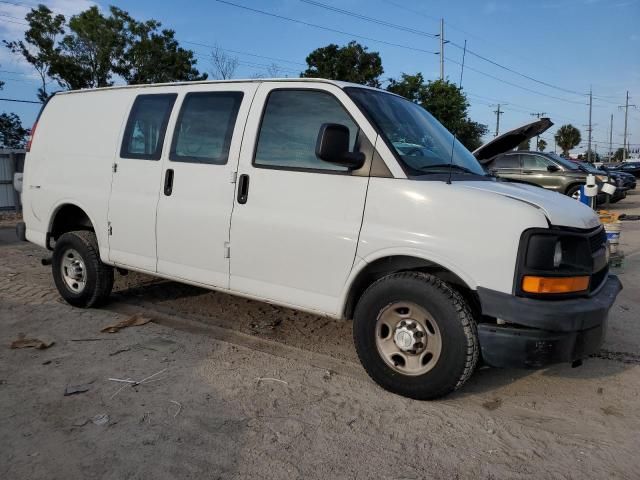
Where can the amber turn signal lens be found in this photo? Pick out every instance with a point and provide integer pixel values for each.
(554, 284)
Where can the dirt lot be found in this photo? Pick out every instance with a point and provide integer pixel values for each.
(240, 389)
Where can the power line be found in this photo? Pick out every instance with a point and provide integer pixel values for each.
(370, 19)
(419, 32)
(321, 27)
(244, 53)
(17, 100)
(514, 84)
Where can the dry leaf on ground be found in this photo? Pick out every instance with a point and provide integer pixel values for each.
(133, 321)
(23, 342)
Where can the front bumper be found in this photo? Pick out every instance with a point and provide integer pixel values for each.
(540, 332)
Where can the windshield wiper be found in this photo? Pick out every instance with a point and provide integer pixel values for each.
(447, 166)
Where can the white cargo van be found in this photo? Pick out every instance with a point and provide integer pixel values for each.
(322, 196)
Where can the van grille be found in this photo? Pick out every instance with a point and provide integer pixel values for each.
(598, 240)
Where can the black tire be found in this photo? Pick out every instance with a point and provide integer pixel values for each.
(460, 349)
(99, 277)
(573, 189)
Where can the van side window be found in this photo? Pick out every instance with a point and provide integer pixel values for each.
(205, 126)
(290, 126)
(147, 124)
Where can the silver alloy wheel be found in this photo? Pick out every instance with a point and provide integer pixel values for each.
(576, 195)
(408, 338)
(74, 272)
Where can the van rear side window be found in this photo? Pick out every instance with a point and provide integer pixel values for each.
(146, 127)
(205, 127)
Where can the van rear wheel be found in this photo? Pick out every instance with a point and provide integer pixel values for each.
(81, 278)
(415, 335)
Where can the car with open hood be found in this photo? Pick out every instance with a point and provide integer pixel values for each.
(544, 169)
(323, 196)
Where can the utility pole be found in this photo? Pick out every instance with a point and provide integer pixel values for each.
(624, 136)
(498, 112)
(611, 138)
(590, 129)
(442, 49)
(538, 115)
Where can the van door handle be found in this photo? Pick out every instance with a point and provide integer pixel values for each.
(243, 188)
(168, 182)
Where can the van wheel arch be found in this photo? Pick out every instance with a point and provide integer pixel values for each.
(68, 218)
(385, 266)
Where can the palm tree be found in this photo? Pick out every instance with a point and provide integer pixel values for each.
(567, 137)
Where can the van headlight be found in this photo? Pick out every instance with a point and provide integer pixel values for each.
(552, 261)
(557, 255)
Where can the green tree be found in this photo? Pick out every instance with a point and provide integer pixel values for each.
(567, 137)
(39, 47)
(446, 102)
(524, 145)
(351, 63)
(93, 49)
(12, 134)
(542, 145)
(411, 87)
(617, 156)
(153, 55)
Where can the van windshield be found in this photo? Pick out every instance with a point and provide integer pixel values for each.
(421, 143)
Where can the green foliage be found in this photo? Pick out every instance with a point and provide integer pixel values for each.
(542, 145)
(446, 102)
(153, 55)
(351, 63)
(567, 137)
(12, 134)
(94, 49)
(524, 145)
(617, 156)
(39, 47)
(411, 87)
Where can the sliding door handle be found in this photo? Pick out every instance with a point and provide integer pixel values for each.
(243, 188)
(168, 182)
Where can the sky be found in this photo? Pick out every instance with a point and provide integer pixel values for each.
(537, 56)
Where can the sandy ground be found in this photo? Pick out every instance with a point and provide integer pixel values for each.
(242, 389)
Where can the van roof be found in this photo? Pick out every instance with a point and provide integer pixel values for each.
(339, 84)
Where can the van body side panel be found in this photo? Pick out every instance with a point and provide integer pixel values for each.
(472, 233)
(71, 159)
(294, 240)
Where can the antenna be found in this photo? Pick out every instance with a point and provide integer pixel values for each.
(453, 142)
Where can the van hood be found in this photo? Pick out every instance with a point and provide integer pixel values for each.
(511, 139)
(559, 209)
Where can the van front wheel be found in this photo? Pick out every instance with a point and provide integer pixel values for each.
(415, 335)
(81, 278)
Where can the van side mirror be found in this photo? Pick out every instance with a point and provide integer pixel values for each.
(333, 146)
(552, 168)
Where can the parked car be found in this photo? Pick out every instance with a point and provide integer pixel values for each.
(627, 167)
(613, 178)
(322, 196)
(629, 181)
(544, 169)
